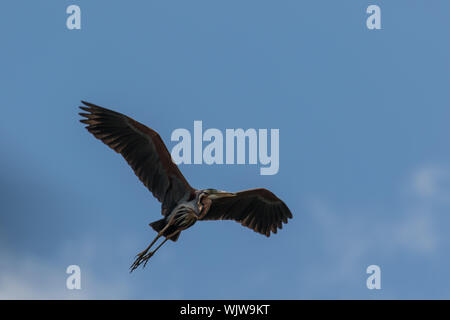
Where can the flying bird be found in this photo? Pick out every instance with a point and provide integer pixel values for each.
(181, 205)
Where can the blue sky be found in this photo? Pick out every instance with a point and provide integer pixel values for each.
(364, 146)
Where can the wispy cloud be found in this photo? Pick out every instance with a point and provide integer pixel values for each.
(432, 182)
(357, 236)
(26, 276)
(348, 240)
(412, 226)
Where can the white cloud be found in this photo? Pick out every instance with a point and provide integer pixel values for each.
(24, 276)
(432, 181)
(411, 227)
(417, 234)
(356, 235)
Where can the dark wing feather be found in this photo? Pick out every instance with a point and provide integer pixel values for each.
(144, 151)
(257, 209)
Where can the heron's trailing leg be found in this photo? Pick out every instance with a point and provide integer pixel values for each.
(143, 256)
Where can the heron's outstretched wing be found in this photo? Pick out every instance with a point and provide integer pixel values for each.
(257, 209)
(144, 151)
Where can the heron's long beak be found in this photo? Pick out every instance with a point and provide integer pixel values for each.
(221, 194)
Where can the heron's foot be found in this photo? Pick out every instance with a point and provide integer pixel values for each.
(141, 258)
(147, 257)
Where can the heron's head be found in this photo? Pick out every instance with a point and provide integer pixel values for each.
(207, 196)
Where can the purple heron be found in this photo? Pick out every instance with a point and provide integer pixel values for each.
(181, 205)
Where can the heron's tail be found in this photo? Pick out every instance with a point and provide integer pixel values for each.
(160, 224)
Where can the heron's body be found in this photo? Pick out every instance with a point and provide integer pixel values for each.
(183, 216)
(181, 205)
